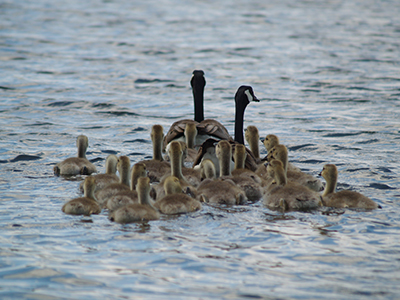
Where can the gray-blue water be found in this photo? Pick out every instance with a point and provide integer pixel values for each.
(327, 74)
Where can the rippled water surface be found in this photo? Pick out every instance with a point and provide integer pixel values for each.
(327, 75)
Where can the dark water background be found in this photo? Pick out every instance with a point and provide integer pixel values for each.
(327, 74)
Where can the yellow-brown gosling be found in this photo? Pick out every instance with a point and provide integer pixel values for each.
(288, 196)
(138, 212)
(280, 152)
(175, 154)
(85, 205)
(218, 191)
(253, 138)
(77, 165)
(157, 167)
(108, 177)
(126, 197)
(175, 201)
(123, 167)
(344, 198)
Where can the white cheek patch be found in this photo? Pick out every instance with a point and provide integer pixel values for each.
(249, 96)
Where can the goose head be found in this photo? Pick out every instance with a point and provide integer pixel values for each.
(111, 164)
(190, 134)
(270, 141)
(157, 137)
(252, 137)
(138, 170)
(207, 169)
(239, 156)
(123, 167)
(172, 185)
(223, 151)
(279, 152)
(143, 190)
(82, 143)
(244, 95)
(330, 174)
(89, 186)
(276, 171)
(198, 82)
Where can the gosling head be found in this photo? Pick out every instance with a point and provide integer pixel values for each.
(329, 172)
(172, 185)
(270, 141)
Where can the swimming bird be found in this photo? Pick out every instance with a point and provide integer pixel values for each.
(288, 196)
(85, 205)
(123, 167)
(108, 177)
(175, 201)
(280, 152)
(206, 128)
(175, 154)
(124, 197)
(343, 198)
(157, 167)
(76, 165)
(217, 190)
(252, 138)
(137, 212)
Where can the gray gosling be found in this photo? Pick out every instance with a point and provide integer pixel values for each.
(138, 212)
(175, 201)
(125, 197)
(123, 167)
(85, 205)
(108, 177)
(288, 196)
(157, 167)
(344, 198)
(76, 165)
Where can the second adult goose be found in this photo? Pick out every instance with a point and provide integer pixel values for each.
(344, 198)
(288, 196)
(244, 95)
(138, 212)
(76, 165)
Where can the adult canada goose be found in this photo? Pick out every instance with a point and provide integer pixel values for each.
(157, 167)
(123, 167)
(280, 152)
(344, 198)
(245, 179)
(124, 196)
(138, 212)
(85, 205)
(175, 201)
(175, 154)
(288, 196)
(243, 97)
(108, 177)
(76, 165)
(218, 191)
(205, 128)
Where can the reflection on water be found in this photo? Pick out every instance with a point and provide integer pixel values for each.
(327, 76)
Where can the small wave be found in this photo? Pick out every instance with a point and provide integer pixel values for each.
(156, 80)
(25, 157)
(60, 103)
(118, 113)
(137, 141)
(381, 186)
(294, 148)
